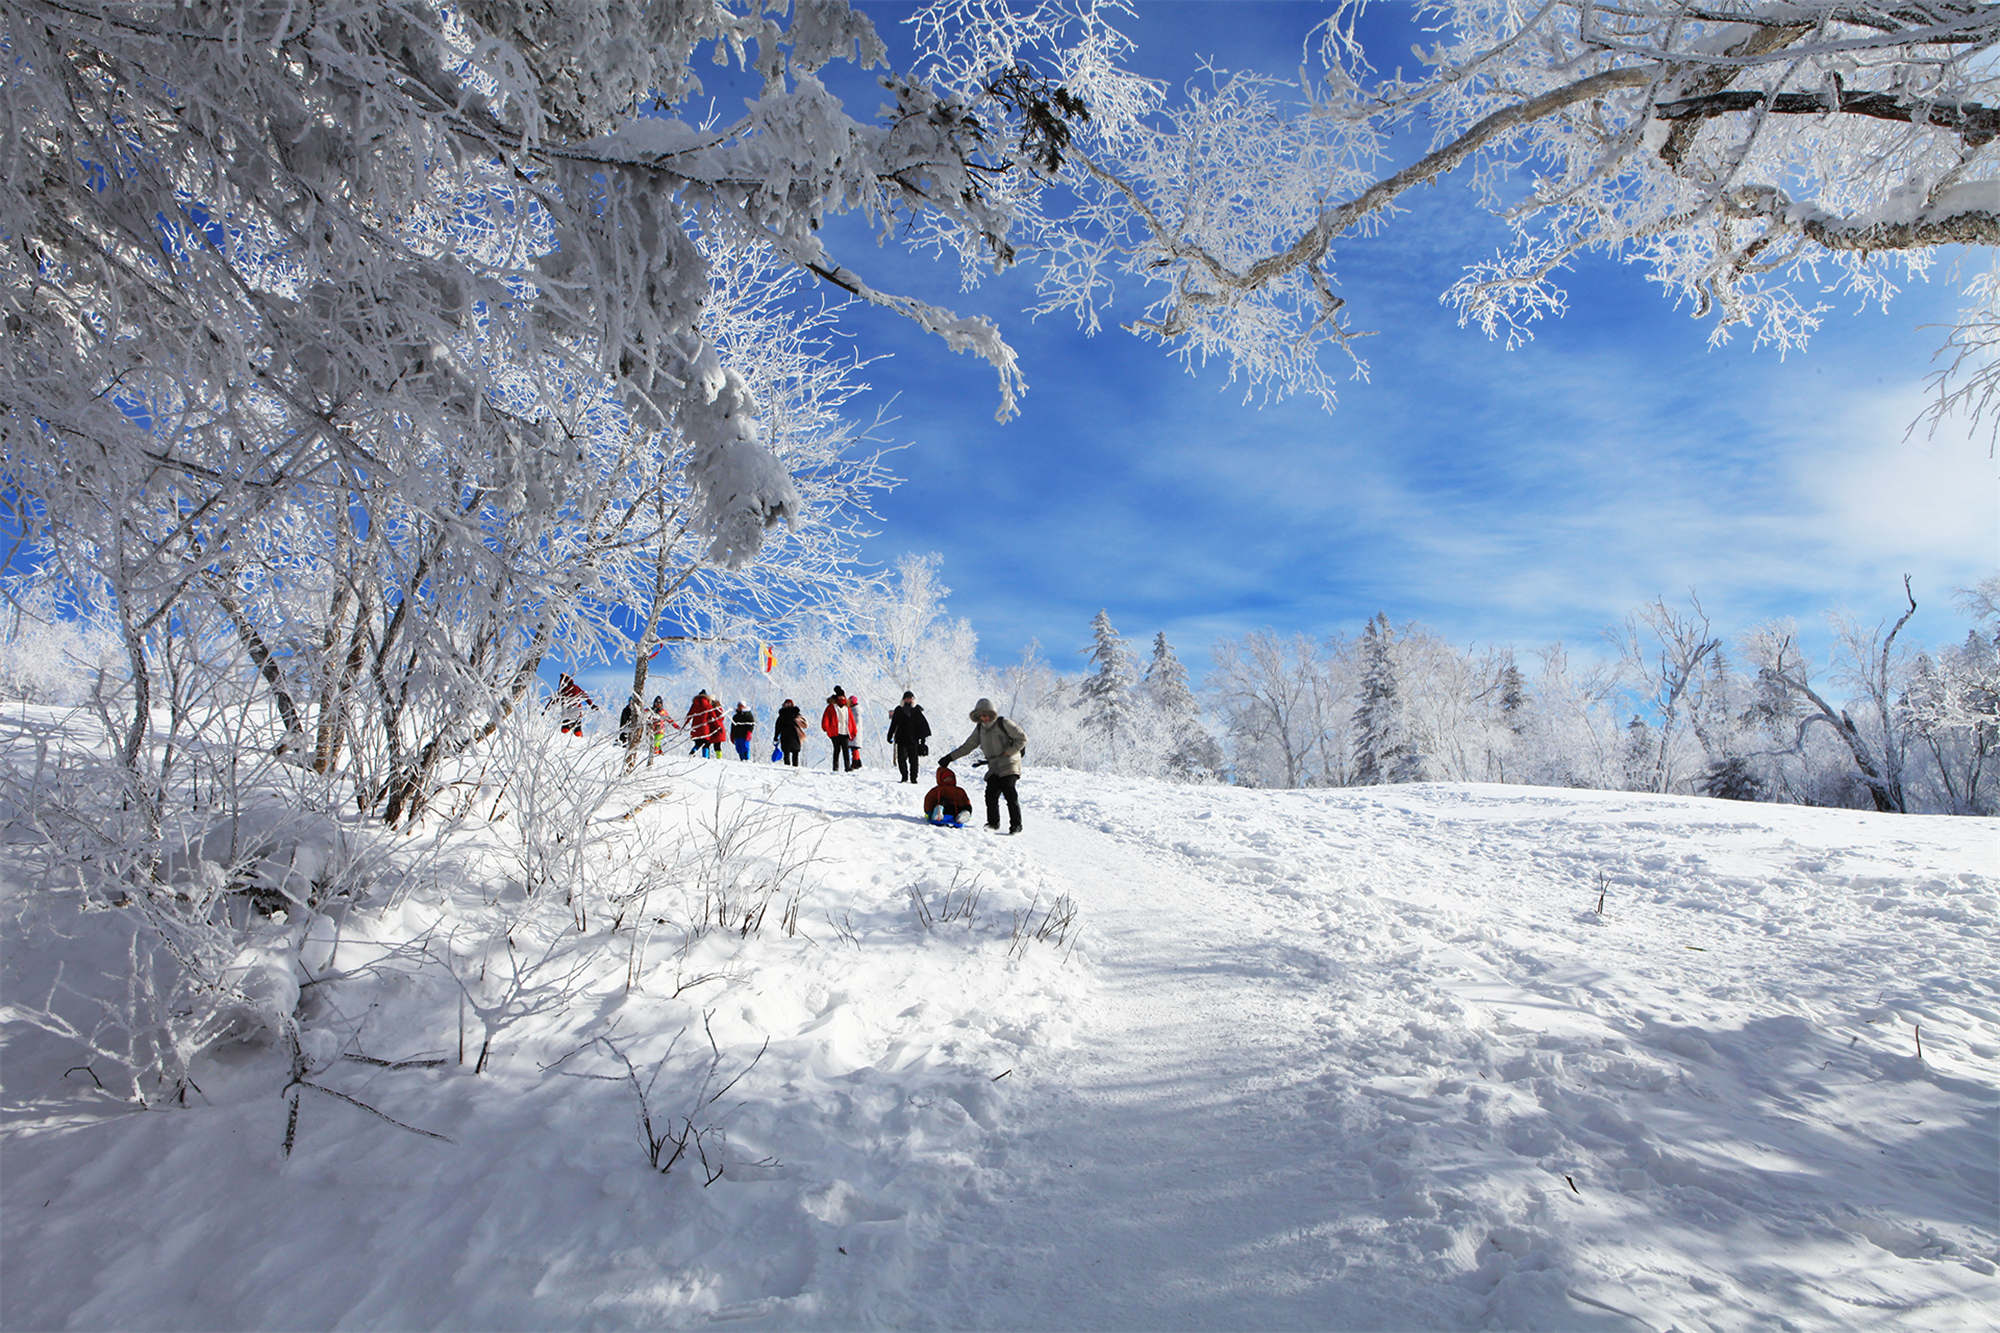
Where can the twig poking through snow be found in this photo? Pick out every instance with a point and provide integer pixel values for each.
(356, 1101)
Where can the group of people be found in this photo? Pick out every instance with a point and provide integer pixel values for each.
(1001, 743)
(703, 725)
(646, 727)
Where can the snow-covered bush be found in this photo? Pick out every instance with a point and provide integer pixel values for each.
(552, 795)
(737, 862)
(213, 902)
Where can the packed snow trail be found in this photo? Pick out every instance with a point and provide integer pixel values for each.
(1171, 1175)
(1364, 1059)
(1380, 1062)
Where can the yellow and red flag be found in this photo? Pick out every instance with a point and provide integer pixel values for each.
(770, 659)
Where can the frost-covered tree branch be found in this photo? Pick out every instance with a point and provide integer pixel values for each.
(1753, 157)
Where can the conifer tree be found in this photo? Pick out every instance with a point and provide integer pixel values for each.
(1110, 696)
(1639, 757)
(1191, 753)
(1731, 778)
(1513, 697)
(1382, 749)
(1719, 716)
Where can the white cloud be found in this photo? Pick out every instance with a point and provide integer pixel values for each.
(1880, 495)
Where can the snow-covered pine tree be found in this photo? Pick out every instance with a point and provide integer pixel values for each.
(1639, 758)
(1721, 716)
(1731, 778)
(1382, 750)
(1110, 695)
(1190, 752)
(1513, 696)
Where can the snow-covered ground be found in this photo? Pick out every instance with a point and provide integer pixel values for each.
(1357, 1059)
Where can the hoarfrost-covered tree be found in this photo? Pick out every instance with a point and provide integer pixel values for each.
(1265, 696)
(658, 572)
(1189, 751)
(1639, 756)
(1570, 737)
(47, 655)
(1869, 726)
(1663, 650)
(1952, 705)
(367, 326)
(1110, 695)
(1450, 707)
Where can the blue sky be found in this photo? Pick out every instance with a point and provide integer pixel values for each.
(1497, 496)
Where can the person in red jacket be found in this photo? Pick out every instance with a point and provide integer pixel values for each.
(704, 724)
(717, 727)
(947, 803)
(841, 723)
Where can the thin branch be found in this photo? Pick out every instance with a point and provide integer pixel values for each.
(355, 1101)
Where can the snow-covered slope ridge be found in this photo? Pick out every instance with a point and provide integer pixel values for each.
(1367, 1059)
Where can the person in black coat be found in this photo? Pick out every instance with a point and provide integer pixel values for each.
(628, 725)
(791, 727)
(908, 732)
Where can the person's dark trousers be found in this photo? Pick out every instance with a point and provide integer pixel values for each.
(791, 757)
(907, 760)
(841, 747)
(997, 787)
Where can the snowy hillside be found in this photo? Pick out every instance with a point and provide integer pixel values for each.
(1357, 1059)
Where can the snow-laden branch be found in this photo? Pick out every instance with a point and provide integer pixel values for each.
(1978, 124)
(1751, 156)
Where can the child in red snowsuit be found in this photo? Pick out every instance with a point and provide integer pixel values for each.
(947, 802)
